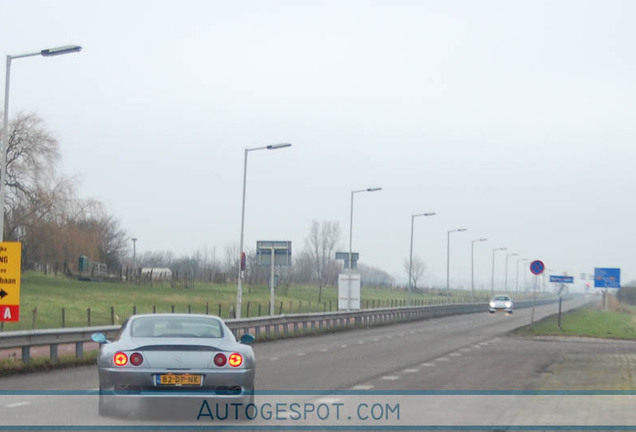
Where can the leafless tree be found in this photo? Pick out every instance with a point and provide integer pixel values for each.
(320, 246)
(418, 268)
(42, 209)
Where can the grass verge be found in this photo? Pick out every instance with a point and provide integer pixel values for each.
(619, 322)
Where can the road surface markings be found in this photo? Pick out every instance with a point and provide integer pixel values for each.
(274, 359)
(300, 354)
(17, 404)
(455, 354)
(324, 350)
(428, 364)
(411, 370)
(390, 378)
(343, 346)
(442, 359)
(362, 387)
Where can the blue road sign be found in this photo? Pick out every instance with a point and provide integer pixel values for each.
(607, 278)
(537, 267)
(562, 279)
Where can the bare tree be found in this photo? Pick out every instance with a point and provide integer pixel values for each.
(42, 209)
(321, 245)
(418, 268)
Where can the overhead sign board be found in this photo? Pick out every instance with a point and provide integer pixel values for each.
(10, 264)
(562, 279)
(537, 267)
(281, 250)
(345, 257)
(607, 278)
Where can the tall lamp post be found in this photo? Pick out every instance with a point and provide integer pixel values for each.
(134, 240)
(49, 52)
(472, 267)
(448, 261)
(374, 189)
(239, 289)
(492, 281)
(520, 260)
(506, 280)
(411, 253)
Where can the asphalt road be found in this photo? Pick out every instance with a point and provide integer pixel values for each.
(459, 370)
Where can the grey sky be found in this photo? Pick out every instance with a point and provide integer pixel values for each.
(514, 119)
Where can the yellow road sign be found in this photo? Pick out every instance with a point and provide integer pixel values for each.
(10, 267)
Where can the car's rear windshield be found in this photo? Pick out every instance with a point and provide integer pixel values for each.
(502, 298)
(168, 326)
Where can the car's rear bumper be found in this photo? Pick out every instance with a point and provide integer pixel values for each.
(130, 382)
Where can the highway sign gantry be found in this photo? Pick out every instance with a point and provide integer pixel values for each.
(10, 266)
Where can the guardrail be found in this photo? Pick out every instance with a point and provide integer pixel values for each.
(262, 327)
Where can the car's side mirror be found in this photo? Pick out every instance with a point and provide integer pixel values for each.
(247, 339)
(100, 338)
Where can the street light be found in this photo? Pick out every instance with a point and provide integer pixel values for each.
(134, 240)
(492, 283)
(448, 260)
(239, 289)
(49, 52)
(472, 267)
(506, 281)
(374, 189)
(517, 281)
(411, 253)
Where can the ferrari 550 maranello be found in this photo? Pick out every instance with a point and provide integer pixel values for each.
(176, 356)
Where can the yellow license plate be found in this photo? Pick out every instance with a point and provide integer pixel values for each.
(179, 380)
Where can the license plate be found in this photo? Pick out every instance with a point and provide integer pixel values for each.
(179, 380)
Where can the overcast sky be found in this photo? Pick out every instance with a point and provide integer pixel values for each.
(513, 119)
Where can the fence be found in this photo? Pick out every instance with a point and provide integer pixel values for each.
(267, 327)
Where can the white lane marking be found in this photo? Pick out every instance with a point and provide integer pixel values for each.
(274, 359)
(343, 346)
(301, 354)
(466, 350)
(442, 359)
(362, 387)
(411, 370)
(390, 378)
(455, 354)
(17, 404)
(360, 342)
(389, 337)
(376, 339)
(327, 401)
(428, 364)
(324, 350)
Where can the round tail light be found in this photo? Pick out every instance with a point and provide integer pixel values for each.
(220, 360)
(136, 359)
(236, 360)
(120, 359)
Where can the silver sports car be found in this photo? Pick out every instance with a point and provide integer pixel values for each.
(172, 356)
(501, 303)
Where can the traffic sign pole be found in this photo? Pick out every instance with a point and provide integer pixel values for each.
(536, 267)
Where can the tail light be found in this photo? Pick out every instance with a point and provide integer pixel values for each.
(236, 360)
(136, 359)
(220, 360)
(120, 359)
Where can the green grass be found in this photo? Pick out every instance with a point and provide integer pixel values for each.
(11, 366)
(618, 323)
(44, 298)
